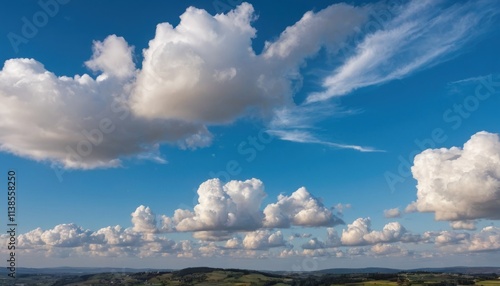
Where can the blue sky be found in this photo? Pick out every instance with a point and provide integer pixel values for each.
(288, 136)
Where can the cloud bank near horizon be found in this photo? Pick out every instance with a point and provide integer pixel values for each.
(230, 221)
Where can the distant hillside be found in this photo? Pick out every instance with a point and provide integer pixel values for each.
(463, 270)
(95, 270)
(358, 270)
(457, 269)
(206, 276)
(78, 270)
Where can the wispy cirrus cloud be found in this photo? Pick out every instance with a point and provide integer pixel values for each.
(305, 136)
(421, 35)
(297, 124)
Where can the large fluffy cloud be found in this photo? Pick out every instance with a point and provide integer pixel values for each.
(205, 68)
(80, 122)
(460, 184)
(203, 71)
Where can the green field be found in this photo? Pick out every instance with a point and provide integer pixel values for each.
(379, 283)
(489, 283)
(205, 276)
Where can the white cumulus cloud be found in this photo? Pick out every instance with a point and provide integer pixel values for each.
(233, 206)
(237, 206)
(460, 184)
(202, 72)
(144, 220)
(488, 239)
(79, 121)
(205, 69)
(360, 233)
(301, 209)
(263, 239)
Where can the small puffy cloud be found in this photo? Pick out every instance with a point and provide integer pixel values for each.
(488, 239)
(360, 233)
(329, 27)
(118, 236)
(233, 243)
(63, 235)
(31, 239)
(332, 237)
(233, 206)
(113, 241)
(301, 209)
(66, 235)
(354, 235)
(460, 184)
(383, 249)
(209, 250)
(392, 213)
(299, 235)
(463, 224)
(144, 220)
(212, 235)
(263, 239)
(447, 238)
(332, 240)
(314, 243)
(340, 208)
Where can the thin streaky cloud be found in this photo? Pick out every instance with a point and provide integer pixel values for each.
(304, 136)
(420, 37)
(470, 79)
